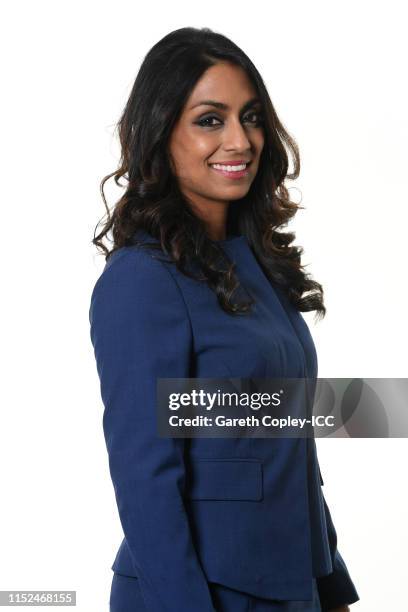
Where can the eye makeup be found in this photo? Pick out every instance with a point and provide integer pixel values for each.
(201, 121)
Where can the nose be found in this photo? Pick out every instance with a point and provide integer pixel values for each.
(234, 137)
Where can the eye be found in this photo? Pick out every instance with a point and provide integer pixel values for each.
(258, 116)
(206, 121)
(202, 122)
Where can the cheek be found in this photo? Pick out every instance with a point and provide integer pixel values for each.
(194, 155)
(259, 142)
(201, 147)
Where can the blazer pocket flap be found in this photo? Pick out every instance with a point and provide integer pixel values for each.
(228, 479)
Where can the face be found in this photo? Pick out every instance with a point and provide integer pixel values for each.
(220, 124)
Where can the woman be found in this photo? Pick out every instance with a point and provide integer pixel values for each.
(200, 283)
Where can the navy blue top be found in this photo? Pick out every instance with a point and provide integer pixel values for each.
(271, 343)
(246, 513)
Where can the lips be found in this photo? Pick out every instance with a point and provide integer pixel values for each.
(232, 163)
(231, 174)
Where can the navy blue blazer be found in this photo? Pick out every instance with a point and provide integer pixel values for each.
(243, 512)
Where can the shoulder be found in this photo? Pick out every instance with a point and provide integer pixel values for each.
(136, 300)
(136, 278)
(133, 266)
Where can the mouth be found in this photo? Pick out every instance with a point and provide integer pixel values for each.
(232, 170)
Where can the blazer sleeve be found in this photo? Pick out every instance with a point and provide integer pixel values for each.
(336, 589)
(140, 331)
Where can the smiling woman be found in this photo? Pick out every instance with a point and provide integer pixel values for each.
(202, 283)
(227, 144)
(198, 100)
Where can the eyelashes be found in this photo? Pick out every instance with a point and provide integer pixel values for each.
(203, 121)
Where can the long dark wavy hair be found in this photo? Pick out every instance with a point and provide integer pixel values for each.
(153, 201)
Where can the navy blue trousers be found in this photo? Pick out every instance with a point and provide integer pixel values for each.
(126, 597)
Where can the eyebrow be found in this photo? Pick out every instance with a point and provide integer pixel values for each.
(223, 106)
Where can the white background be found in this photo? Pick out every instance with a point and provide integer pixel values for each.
(336, 74)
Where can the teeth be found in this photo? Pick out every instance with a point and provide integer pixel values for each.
(229, 168)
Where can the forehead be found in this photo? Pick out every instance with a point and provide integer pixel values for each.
(224, 82)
